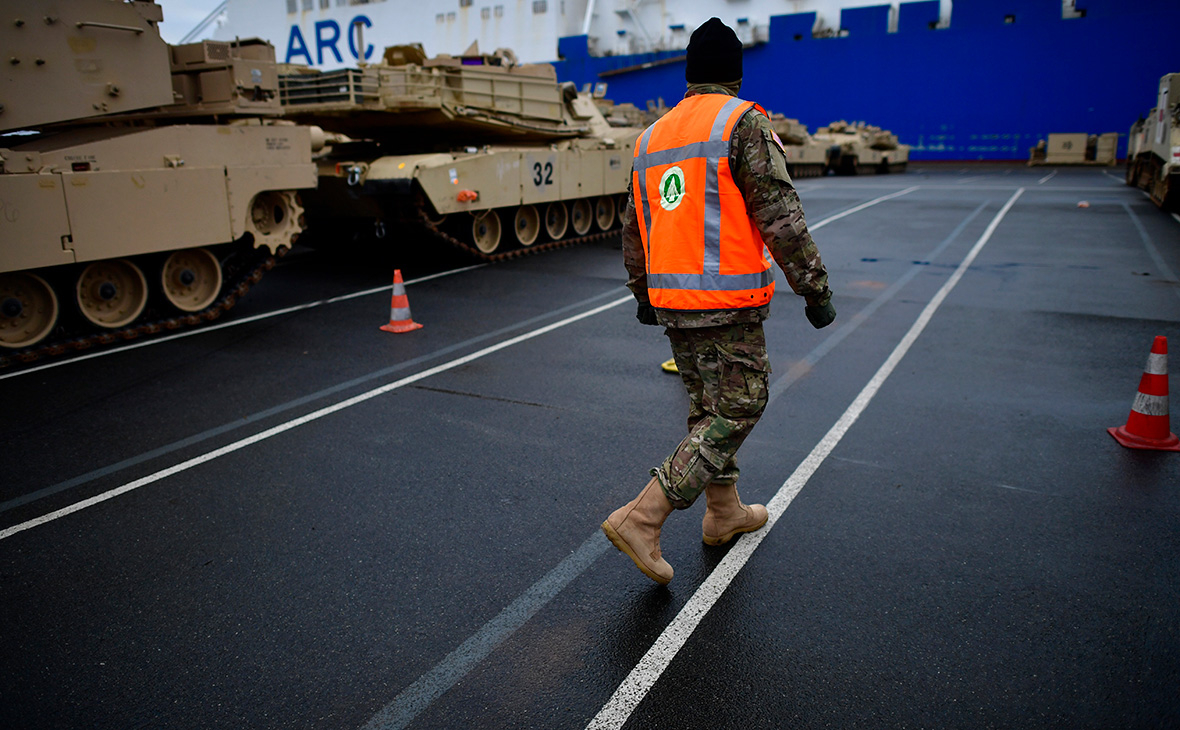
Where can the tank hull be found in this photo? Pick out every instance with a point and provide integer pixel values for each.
(180, 185)
(854, 149)
(149, 185)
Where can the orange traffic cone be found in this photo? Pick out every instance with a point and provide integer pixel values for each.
(399, 308)
(1147, 426)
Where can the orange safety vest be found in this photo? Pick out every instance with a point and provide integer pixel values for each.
(702, 249)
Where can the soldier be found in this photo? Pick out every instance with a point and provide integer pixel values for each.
(709, 196)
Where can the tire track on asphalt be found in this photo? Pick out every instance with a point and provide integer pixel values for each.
(253, 418)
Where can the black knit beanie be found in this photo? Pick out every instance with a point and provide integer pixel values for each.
(714, 54)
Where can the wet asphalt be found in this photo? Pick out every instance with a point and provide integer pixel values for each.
(204, 543)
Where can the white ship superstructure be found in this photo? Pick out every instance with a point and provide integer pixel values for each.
(328, 33)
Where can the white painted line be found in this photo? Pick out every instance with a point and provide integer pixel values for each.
(1046, 178)
(804, 366)
(1114, 177)
(861, 207)
(213, 328)
(641, 679)
(970, 179)
(283, 427)
(243, 420)
(1176, 216)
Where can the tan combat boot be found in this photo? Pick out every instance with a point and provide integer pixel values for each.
(726, 516)
(634, 529)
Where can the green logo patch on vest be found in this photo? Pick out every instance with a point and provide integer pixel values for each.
(672, 188)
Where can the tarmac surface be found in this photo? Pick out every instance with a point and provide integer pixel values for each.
(293, 520)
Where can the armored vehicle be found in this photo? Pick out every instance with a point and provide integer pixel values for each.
(1076, 149)
(806, 157)
(1153, 147)
(494, 157)
(857, 147)
(142, 186)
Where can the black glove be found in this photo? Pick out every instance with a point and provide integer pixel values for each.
(646, 315)
(821, 315)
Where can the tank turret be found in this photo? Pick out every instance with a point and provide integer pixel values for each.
(494, 157)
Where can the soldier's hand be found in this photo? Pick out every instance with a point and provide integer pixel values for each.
(821, 315)
(646, 314)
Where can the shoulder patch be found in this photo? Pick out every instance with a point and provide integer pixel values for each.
(777, 153)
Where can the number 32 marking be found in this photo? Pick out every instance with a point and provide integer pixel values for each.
(542, 174)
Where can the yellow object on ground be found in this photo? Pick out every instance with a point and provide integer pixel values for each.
(669, 366)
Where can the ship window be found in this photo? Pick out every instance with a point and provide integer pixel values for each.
(309, 4)
(540, 6)
(292, 7)
(450, 17)
(325, 4)
(466, 3)
(439, 18)
(1009, 19)
(485, 13)
(499, 11)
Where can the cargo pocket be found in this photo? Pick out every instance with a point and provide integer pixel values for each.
(744, 375)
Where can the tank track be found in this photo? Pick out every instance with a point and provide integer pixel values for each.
(461, 245)
(248, 273)
(251, 273)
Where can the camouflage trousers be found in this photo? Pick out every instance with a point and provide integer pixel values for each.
(726, 372)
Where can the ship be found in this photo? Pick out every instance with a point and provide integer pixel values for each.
(961, 80)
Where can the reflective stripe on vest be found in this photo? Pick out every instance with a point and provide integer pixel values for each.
(684, 193)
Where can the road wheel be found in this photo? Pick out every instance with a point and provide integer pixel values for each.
(28, 309)
(581, 216)
(485, 231)
(111, 293)
(191, 279)
(604, 213)
(557, 220)
(527, 224)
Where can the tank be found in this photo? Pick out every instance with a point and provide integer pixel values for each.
(143, 186)
(1076, 149)
(806, 157)
(858, 147)
(1153, 147)
(493, 157)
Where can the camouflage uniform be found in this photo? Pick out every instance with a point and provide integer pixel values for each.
(721, 355)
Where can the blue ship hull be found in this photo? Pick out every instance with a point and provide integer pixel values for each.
(1002, 76)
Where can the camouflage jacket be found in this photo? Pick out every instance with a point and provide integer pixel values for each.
(760, 172)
